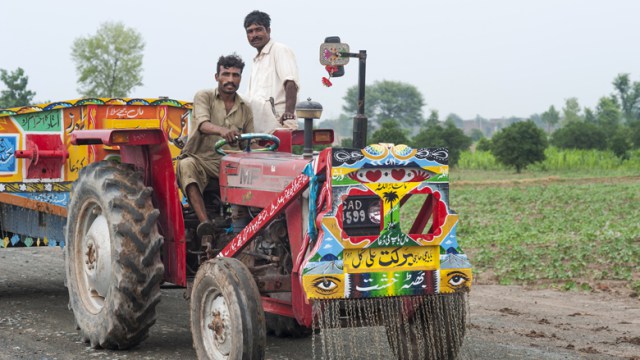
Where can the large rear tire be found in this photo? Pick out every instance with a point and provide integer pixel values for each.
(113, 263)
(227, 319)
(431, 327)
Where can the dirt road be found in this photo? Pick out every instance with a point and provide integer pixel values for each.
(505, 322)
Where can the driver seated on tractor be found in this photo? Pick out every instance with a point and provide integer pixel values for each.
(217, 113)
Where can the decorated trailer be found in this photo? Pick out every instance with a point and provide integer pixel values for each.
(38, 163)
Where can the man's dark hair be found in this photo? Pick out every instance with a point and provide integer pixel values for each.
(230, 61)
(259, 18)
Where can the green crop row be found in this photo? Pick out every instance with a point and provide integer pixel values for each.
(558, 160)
(560, 233)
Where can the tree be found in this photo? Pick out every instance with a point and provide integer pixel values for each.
(457, 120)
(476, 135)
(571, 111)
(608, 114)
(16, 93)
(449, 136)
(550, 117)
(628, 95)
(580, 135)
(483, 144)
(519, 145)
(620, 143)
(389, 132)
(434, 118)
(388, 100)
(634, 133)
(590, 116)
(109, 64)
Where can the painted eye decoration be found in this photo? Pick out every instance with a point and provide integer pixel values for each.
(327, 285)
(457, 279)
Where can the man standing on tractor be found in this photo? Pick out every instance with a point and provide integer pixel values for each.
(274, 83)
(217, 113)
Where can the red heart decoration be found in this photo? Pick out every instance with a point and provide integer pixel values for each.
(373, 175)
(397, 174)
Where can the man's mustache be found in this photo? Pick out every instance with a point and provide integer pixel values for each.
(229, 83)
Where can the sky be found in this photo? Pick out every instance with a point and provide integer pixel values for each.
(492, 58)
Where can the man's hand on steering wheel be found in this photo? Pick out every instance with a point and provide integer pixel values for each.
(230, 135)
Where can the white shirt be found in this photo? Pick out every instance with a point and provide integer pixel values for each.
(272, 67)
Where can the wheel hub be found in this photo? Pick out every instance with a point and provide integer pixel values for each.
(217, 325)
(96, 255)
(217, 322)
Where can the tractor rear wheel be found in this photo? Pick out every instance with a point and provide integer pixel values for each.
(227, 319)
(431, 328)
(113, 264)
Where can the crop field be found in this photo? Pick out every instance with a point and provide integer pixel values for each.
(576, 229)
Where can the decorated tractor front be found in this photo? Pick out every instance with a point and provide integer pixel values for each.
(385, 250)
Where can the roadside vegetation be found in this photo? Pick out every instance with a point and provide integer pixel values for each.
(569, 222)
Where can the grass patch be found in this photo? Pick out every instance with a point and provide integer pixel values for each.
(572, 234)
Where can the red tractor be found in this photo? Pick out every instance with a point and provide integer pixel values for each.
(324, 236)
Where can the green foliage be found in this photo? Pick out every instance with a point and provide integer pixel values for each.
(448, 136)
(388, 100)
(519, 145)
(483, 144)
(571, 111)
(580, 135)
(590, 116)
(573, 162)
(551, 118)
(457, 120)
(634, 133)
(16, 93)
(434, 118)
(570, 234)
(620, 143)
(478, 160)
(476, 135)
(535, 232)
(389, 132)
(628, 95)
(608, 113)
(552, 231)
(109, 63)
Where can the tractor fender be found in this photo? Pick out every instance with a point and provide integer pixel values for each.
(148, 150)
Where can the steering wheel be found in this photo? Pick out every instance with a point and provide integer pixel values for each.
(248, 137)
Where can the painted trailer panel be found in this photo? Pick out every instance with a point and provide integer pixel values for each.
(38, 163)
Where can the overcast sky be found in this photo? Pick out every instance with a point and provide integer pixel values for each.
(494, 58)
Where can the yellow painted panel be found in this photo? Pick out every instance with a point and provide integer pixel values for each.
(387, 259)
(132, 123)
(454, 280)
(323, 286)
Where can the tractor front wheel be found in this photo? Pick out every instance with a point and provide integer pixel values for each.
(113, 264)
(227, 319)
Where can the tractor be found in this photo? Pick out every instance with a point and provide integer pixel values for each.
(323, 237)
